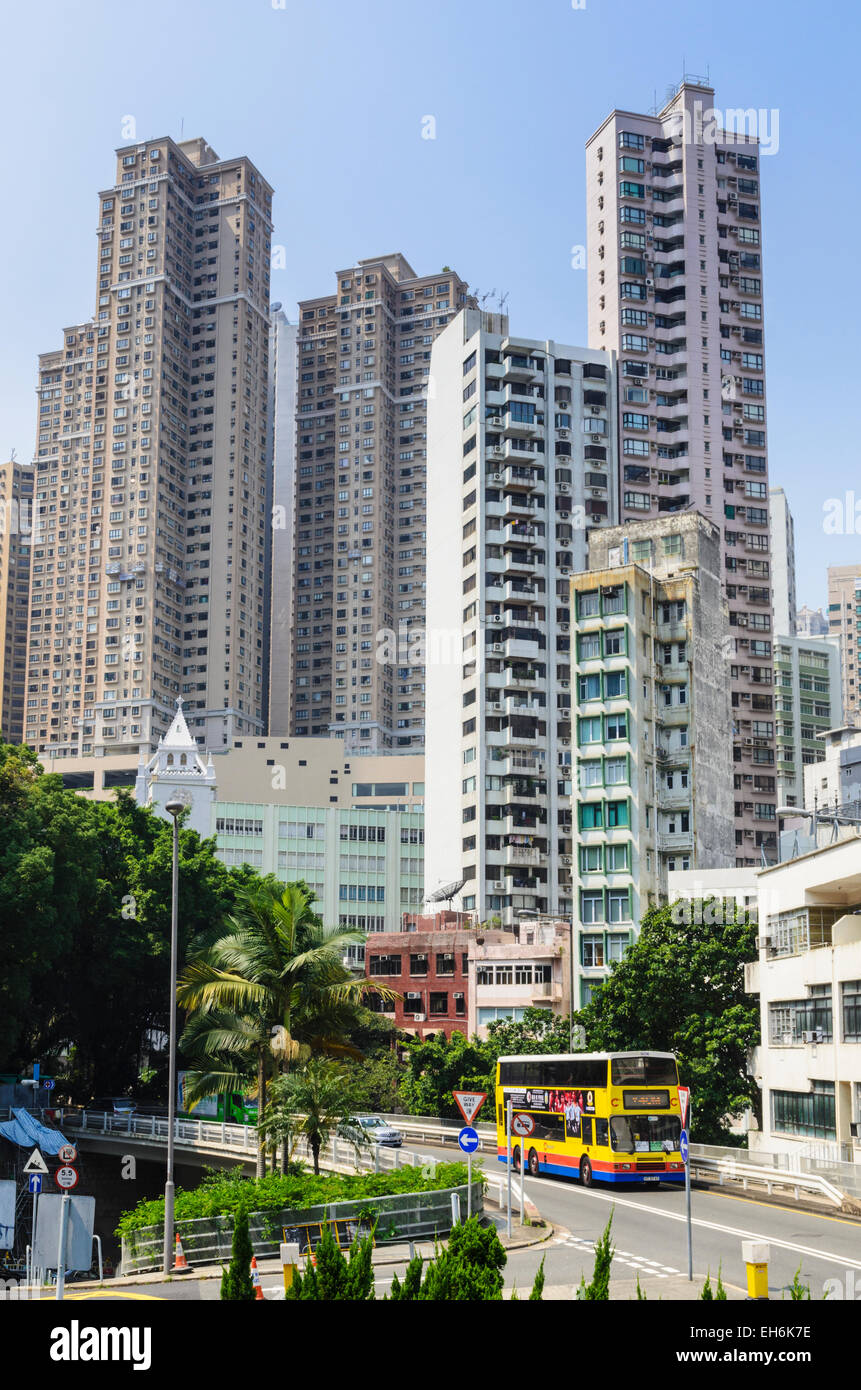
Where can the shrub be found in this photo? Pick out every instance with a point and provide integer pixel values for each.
(599, 1289)
(236, 1283)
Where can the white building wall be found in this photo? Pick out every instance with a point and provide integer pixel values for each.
(282, 404)
(782, 562)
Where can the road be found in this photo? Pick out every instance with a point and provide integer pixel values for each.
(649, 1233)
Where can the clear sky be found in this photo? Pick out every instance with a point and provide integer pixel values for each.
(328, 97)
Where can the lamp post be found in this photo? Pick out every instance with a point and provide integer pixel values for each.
(174, 808)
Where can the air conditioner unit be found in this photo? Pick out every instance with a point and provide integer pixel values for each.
(564, 627)
(810, 1037)
(458, 996)
(564, 685)
(564, 487)
(497, 646)
(419, 1018)
(566, 742)
(498, 477)
(413, 995)
(497, 617)
(565, 573)
(595, 409)
(498, 452)
(762, 943)
(650, 284)
(566, 859)
(564, 434)
(495, 420)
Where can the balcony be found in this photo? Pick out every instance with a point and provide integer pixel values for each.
(680, 842)
(524, 648)
(544, 993)
(518, 856)
(520, 533)
(516, 367)
(519, 591)
(515, 706)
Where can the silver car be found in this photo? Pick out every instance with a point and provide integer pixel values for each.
(370, 1129)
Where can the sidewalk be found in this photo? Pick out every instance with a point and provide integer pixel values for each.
(676, 1288)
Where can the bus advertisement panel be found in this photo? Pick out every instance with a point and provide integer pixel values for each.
(599, 1117)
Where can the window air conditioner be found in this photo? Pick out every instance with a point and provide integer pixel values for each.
(419, 1018)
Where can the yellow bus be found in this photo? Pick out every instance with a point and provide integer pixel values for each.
(598, 1116)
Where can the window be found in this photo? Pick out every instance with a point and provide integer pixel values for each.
(618, 905)
(418, 964)
(616, 727)
(851, 991)
(617, 814)
(809, 1113)
(591, 814)
(590, 730)
(588, 604)
(589, 687)
(615, 685)
(445, 963)
(438, 1003)
(592, 951)
(384, 965)
(615, 771)
(590, 859)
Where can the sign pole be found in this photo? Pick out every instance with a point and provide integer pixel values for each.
(61, 1252)
(468, 1186)
(688, 1201)
(509, 1166)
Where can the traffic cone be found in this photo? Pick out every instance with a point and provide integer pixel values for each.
(255, 1279)
(181, 1265)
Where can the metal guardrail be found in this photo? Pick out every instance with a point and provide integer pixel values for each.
(730, 1170)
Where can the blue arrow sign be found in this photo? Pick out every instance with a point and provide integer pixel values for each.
(35, 1180)
(683, 1145)
(468, 1140)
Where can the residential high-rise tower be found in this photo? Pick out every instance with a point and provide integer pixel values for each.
(150, 467)
(675, 289)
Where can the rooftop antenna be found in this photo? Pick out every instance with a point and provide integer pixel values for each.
(503, 300)
(12, 456)
(181, 127)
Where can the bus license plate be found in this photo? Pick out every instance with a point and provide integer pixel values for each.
(648, 1178)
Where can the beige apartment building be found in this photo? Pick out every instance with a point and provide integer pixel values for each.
(675, 289)
(844, 622)
(360, 504)
(16, 534)
(151, 467)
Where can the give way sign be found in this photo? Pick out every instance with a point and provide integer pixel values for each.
(469, 1103)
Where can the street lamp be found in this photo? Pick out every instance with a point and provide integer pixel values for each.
(174, 808)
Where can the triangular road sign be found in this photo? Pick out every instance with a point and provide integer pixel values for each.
(469, 1103)
(35, 1163)
(684, 1104)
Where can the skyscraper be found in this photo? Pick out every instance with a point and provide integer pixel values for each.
(675, 288)
(844, 622)
(282, 435)
(782, 529)
(521, 453)
(150, 467)
(16, 535)
(359, 532)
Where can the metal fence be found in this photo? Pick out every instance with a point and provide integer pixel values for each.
(846, 1177)
(400, 1218)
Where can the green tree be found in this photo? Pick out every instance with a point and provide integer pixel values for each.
(311, 1101)
(335, 1277)
(436, 1066)
(238, 1281)
(538, 1287)
(279, 972)
(469, 1269)
(680, 988)
(85, 910)
(598, 1289)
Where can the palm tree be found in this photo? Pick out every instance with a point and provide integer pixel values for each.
(271, 991)
(312, 1102)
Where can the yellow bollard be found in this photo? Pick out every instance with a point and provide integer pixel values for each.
(755, 1254)
(289, 1264)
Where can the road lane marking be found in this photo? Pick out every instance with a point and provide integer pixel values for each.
(844, 1260)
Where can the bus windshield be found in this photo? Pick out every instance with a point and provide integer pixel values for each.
(645, 1133)
(647, 1071)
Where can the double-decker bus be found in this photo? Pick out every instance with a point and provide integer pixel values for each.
(597, 1116)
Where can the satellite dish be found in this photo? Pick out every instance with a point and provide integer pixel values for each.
(275, 307)
(446, 894)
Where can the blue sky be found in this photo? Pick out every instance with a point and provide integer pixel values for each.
(515, 89)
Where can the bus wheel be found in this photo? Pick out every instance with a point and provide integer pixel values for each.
(534, 1165)
(586, 1172)
(515, 1159)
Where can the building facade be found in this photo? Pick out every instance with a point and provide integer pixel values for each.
(653, 773)
(521, 446)
(844, 623)
(150, 467)
(675, 290)
(808, 702)
(782, 529)
(808, 978)
(834, 780)
(16, 539)
(283, 369)
(810, 622)
(360, 509)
